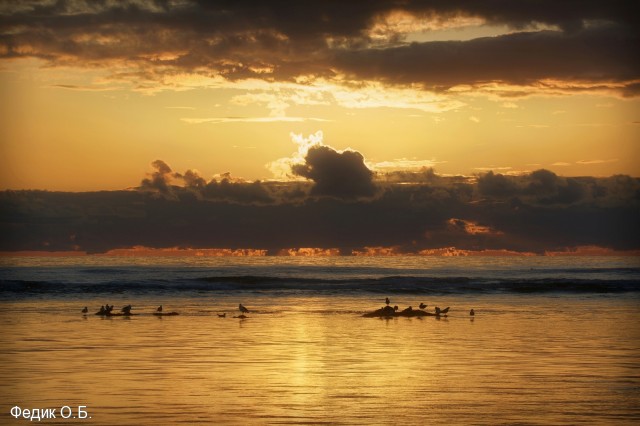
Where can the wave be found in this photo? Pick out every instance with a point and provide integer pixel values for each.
(275, 284)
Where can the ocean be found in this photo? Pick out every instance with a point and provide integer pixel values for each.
(554, 340)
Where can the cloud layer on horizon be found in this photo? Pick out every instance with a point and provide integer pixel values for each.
(537, 212)
(569, 46)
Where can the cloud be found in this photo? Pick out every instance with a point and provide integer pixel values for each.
(496, 185)
(536, 212)
(470, 227)
(239, 191)
(543, 188)
(519, 59)
(402, 164)
(588, 162)
(171, 185)
(336, 174)
(159, 180)
(579, 45)
(86, 88)
(281, 168)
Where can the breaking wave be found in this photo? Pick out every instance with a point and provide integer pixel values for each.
(277, 284)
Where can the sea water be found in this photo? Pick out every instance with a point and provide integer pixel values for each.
(553, 340)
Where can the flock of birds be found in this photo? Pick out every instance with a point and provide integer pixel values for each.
(107, 310)
(422, 306)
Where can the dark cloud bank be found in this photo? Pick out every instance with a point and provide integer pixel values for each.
(343, 206)
(591, 41)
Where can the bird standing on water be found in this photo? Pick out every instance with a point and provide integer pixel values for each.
(243, 309)
(85, 310)
(387, 301)
(422, 306)
(472, 313)
(159, 308)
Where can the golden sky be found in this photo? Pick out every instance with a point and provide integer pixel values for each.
(92, 93)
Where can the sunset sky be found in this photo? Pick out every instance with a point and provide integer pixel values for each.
(329, 125)
(93, 92)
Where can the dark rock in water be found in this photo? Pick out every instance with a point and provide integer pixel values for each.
(388, 312)
(120, 314)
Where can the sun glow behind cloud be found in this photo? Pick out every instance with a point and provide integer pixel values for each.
(281, 168)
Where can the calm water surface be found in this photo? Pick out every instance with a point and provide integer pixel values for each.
(306, 356)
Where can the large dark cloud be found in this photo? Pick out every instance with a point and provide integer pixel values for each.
(520, 58)
(538, 212)
(280, 40)
(336, 174)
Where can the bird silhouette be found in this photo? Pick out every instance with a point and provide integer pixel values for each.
(159, 308)
(222, 315)
(422, 306)
(243, 309)
(445, 310)
(387, 301)
(472, 313)
(85, 310)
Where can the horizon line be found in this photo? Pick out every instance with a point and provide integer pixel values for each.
(139, 251)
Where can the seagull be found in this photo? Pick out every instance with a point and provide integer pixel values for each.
(126, 309)
(222, 315)
(243, 309)
(422, 306)
(85, 310)
(472, 313)
(387, 301)
(445, 310)
(437, 311)
(159, 308)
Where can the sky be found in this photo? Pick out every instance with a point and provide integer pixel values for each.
(461, 86)
(268, 105)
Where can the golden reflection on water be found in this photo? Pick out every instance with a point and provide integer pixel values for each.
(294, 361)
